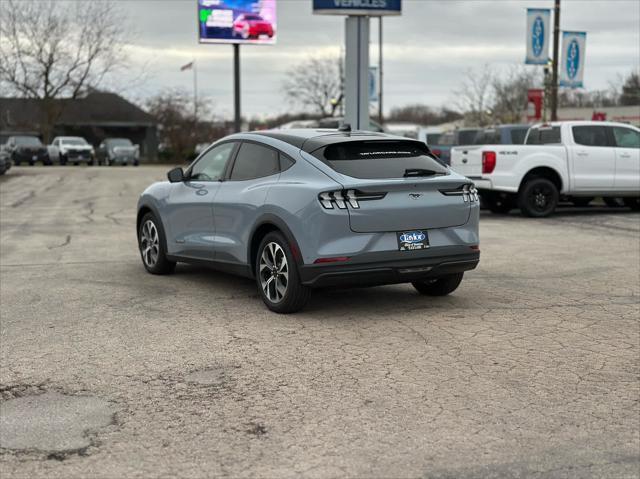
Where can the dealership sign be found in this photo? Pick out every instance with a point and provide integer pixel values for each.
(237, 21)
(572, 64)
(358, 7)
(538, 28)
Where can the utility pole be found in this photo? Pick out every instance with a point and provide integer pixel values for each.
(380, 110)
(195, 92)
(554, 74)
(237, 122)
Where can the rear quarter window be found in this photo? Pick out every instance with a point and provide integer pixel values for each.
(379, 159)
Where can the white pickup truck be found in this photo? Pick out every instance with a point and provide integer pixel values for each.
(572, 160)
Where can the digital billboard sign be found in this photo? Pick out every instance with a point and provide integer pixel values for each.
(237, 21)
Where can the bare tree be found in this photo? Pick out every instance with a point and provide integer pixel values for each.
(50, 50)
(474, 96)
(178, 128)
(317, 84)
(510, 94)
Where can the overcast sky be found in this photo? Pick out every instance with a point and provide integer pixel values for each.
(426, 50)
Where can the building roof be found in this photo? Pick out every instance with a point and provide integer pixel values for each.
(97, 108)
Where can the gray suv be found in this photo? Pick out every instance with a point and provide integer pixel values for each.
(304, 209)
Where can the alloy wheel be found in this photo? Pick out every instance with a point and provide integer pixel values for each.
(149, 244)
(274, 272)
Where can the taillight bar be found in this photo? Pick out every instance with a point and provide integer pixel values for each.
(468, 192)
(488, 162)
(342, 198)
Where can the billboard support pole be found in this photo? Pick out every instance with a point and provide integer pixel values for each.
(236, 88)
(357, 72)
(554, 74)
(380, 110)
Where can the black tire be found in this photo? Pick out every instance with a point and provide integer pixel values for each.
(498, 204)
(296, 294)
(613, 202)
(441, 286)
(136, 163)
(633, 203)
(162, 265)
(581, 202)
(63, 160)
(538, 197)
(32, 163)
(91, 163)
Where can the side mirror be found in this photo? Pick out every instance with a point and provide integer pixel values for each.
(176, 175)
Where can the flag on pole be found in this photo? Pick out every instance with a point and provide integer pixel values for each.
(572, 64)
(538, 28)
(188, 66)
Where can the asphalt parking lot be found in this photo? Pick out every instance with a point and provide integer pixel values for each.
(530, 369)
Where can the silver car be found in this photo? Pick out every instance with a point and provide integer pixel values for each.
(304, 209)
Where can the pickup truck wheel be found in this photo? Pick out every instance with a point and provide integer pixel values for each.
(612, 202)
(538, 198)
(63, 160)
(441, 286)
(633, 203)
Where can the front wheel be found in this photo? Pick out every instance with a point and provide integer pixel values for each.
(441, 286)
(277, 276)
(151, 242)
(538, 198)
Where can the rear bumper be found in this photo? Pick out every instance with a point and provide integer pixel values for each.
(386, 272)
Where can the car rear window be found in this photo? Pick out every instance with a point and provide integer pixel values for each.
(487, 137)
(466, 137)
(28, 141)
(379, 159)
(544, 135)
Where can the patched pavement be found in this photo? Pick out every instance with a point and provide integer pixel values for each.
(530, 369)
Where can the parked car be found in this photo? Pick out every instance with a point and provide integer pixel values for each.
(429, 135)
(118, 151)
(71, 149)
(501, 135)
(26, 149)
(5, 161)
(462, 136)
(251, 25)
(573, 160)
(304, 209)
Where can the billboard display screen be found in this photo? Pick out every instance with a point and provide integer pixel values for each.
(237, 21)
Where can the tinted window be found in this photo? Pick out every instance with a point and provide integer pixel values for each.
(433, 138)
(210, 166)
(544, 135)
(518, 135)
(626, 137)
(74, 141)
(466, 137)
(254, 161)
(378, 159)
(446, 139)
(27, 141)
(590, 135)
(285, 162)
(487, 137)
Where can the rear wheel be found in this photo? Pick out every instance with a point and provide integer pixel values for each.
(633, 203)
(538, 197)
(441, 286)
(277, 276)
(151, 242)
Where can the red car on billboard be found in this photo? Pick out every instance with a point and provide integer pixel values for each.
(251, 25)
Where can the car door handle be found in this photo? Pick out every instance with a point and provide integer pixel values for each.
(625, 155)
(582, 153)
